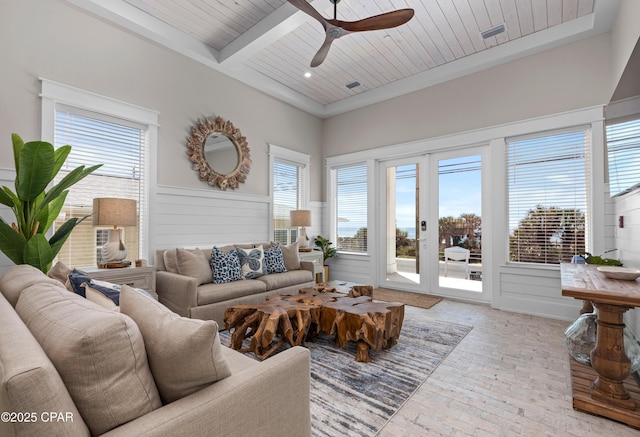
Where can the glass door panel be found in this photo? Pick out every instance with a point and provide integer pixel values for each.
(460, 222)
(401, 224)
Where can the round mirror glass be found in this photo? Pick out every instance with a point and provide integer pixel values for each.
(221, 153)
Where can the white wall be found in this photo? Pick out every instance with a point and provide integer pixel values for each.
(624, 35)
(574, 76)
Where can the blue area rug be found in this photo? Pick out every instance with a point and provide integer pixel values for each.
(357, 399)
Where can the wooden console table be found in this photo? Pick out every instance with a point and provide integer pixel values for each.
(607, 395)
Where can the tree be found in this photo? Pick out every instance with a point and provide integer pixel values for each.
(548, 235)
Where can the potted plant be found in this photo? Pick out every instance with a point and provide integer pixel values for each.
(324, 245)
(36, 208)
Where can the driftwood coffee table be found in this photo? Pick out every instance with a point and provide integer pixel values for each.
(298, 318)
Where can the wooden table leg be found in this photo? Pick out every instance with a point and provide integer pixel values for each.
(609, 359)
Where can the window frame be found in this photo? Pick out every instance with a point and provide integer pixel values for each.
(588, 174)
(614, 124)
(288, 156)
(54, 94)
(333, 210)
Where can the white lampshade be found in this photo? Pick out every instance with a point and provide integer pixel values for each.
(300, 218)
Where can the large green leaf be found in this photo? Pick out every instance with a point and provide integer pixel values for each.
(11, 243)
(38, 253)
(49, 213)
(61, 154)
(74, 176)
(36, 164)
(18, 144)
(61, 235)
(6, 198)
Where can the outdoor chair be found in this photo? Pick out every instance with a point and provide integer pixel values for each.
(458, 255)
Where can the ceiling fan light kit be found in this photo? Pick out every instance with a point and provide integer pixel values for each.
(335, 28)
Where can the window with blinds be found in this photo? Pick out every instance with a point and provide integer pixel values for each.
(623, 152)
(351, 208)
(288, 195)
(120, 146)
(548, 186)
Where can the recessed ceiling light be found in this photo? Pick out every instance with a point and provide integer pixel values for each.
(307, 74)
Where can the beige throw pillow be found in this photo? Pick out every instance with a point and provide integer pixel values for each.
(99, 354)
(291, 256)
(194, 263)
(60, 271)
(170, 261)
(185, 355)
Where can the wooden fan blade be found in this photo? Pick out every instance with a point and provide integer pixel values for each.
(309, 10)
(322, 53)
(377, 22)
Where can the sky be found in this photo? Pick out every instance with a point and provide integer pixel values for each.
(459, 190)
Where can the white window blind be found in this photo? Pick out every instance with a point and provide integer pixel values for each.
(351, 208)
(623, 151)
(288, 195)
(548, 184)
(120, 146)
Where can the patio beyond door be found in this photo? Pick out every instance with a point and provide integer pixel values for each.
(432, 224)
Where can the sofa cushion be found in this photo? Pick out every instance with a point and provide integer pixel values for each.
(29, 383)
(212, 293)
(194, 263)
(281, 280)
(170, 259)
(185, 355)
(291, 256)
(251, 262)
(225, 266)
(274, 259)
(98, 353)
(21, 276)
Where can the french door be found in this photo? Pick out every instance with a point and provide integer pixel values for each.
(431, 223)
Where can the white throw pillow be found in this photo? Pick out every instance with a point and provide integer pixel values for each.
(185, 355)
(251, 262)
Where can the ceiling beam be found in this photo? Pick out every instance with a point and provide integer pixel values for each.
(283, 20)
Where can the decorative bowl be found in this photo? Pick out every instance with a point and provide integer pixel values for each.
(623, 273)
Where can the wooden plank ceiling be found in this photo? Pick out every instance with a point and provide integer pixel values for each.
(441, 32)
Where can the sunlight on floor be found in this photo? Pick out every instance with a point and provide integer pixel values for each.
(454, 280)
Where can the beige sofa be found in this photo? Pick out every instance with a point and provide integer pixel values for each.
(69, 367)
(184, 282)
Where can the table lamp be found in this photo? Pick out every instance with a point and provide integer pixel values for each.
(301, 218)
(114, 212)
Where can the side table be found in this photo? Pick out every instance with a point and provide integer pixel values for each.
(607, 394)
(137, 277)
(315, 256)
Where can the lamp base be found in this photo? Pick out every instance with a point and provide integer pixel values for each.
(114, 265)
(303, 240)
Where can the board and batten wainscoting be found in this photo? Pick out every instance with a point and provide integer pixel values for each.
(186, 217)
(627, 240)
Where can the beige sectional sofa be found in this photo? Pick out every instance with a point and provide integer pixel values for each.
(69, 367)
(184, 281)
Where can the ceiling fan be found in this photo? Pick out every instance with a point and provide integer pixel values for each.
(335, 28)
